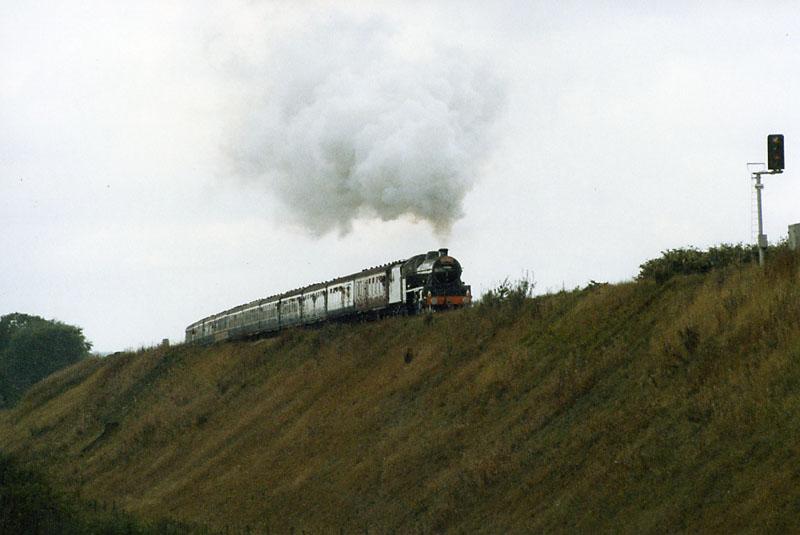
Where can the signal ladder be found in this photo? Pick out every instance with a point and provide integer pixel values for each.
(753, 215)
(752, 167)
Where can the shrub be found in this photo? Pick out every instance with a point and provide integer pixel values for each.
(514, 293)
(689, 260)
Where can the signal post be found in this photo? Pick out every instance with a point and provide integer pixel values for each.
(775, 166)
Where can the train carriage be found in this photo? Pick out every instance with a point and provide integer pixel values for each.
(313, 307)
(340, 298)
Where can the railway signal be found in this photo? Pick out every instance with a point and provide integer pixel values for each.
(775, 165)
(775, 152)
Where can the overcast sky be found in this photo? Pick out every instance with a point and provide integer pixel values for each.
(161, 161)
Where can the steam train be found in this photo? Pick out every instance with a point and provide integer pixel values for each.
(423, 282)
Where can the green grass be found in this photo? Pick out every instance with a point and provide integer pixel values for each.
(649, 406)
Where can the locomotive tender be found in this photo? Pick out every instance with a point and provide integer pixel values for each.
(423, 282)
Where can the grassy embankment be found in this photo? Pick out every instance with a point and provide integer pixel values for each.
(638, 407)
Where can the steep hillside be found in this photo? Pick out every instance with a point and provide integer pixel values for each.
(638, 407)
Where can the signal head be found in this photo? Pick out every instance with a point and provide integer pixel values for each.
(775, 152)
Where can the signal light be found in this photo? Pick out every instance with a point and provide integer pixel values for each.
(775, 152)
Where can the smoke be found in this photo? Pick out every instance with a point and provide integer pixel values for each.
(344, 125)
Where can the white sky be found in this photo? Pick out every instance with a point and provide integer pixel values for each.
(625, 132)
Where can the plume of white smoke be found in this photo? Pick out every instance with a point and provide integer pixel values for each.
(344, 126)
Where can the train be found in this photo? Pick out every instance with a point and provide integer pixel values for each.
(422, 283)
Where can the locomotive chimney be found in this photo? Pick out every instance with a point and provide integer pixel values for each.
(443, 251)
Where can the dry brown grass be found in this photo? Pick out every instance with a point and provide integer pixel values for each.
(636, 408)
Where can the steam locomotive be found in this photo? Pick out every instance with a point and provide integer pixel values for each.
(423, 282)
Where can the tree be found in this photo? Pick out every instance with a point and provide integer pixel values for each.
(31, 348)
(11, 323)
(5, 390)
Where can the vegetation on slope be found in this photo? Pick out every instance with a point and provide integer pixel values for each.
(639, 407)
(690, 260)
(31, 348)
(29, 505)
